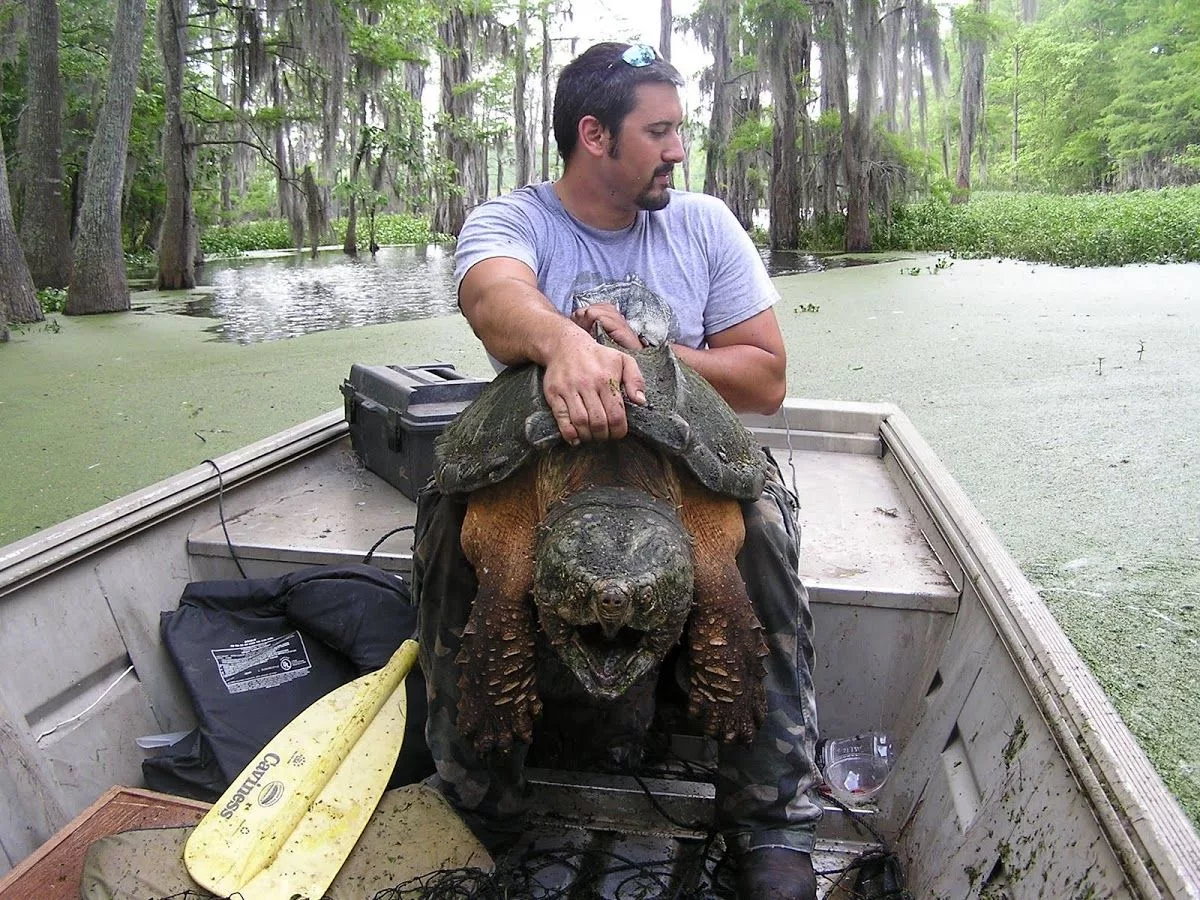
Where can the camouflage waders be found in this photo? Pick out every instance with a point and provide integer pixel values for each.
(762, 789)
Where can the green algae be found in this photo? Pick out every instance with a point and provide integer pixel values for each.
(113, 403)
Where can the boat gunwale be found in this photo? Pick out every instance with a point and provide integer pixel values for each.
(1147, 828)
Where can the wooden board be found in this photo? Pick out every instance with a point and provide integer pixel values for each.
(54, 870)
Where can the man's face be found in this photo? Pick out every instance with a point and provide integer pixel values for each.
(648, 147)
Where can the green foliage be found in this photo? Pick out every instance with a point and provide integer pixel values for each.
(243, 237)
(972, 24)
(273, 234)
(394, 229)
(142, 263)
(824, 233)
(52, 300)
(1082, 230)
(751, 134)
(1107, 95)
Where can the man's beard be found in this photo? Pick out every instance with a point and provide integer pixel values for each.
(648, 199)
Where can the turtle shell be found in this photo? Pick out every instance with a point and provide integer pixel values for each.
(684, 416)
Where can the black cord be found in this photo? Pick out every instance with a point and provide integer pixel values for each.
(375, 546)
(689, 826)
(221, 511)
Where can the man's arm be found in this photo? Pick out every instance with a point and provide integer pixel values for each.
(746, 363)
(585, 383)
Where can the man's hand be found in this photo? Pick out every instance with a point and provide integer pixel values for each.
(610, 319)
(586, 385)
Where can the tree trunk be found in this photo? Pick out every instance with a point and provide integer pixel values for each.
(376, 186)
(314, 210)
(892, 25)
(1016, 113)
(908, 73)
(350, 241)
(742, 187)
(520, 120)
(857, 131)
(45, 224)
(288, 194)
(500, 140)
(720, 124)
(228, 156)
(664, 30)
(546, 109)
(18, 300)
(350, 244)
(98, 275)
(971, 110)
(416, 187)
(922, 109)
(458, 112)
(792, 38)
(176, 242)
(831, 45)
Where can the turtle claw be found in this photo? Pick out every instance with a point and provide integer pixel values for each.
(731, 717)
(498, 729)
(726, 695)
(498, 702)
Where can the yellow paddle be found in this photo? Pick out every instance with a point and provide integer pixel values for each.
(288, 822)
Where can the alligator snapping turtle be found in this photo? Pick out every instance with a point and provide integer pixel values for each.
(620, 544)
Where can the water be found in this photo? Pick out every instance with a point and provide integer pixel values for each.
(270, 298)
(797, 262)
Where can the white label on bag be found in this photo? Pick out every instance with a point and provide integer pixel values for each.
(263, 663)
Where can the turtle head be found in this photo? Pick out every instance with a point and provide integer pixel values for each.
(613, 585)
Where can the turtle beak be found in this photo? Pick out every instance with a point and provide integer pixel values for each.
(613, 606)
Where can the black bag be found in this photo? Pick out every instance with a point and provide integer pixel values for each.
(255, 653)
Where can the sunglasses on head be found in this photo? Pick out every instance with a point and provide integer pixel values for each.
(637, 55)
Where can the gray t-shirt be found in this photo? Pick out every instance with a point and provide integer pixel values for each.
(693, 253)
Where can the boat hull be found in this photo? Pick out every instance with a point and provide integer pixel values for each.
(1014, 771)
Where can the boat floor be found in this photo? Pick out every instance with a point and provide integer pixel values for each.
(554, 858)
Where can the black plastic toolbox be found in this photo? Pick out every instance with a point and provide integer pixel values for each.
(395, 412)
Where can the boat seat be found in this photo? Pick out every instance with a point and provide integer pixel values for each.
(860, 544)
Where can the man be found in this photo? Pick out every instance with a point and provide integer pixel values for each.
(520, 261)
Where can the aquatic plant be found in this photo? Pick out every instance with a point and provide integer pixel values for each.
(274, 234)
(1076, 230)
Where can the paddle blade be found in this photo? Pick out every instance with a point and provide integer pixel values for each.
(331, 764)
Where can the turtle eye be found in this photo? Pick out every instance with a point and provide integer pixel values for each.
(646, 599)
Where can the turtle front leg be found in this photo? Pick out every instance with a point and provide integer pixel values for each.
(726, 695)
(499, 702)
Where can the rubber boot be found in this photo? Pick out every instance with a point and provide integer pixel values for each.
(776, 873)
